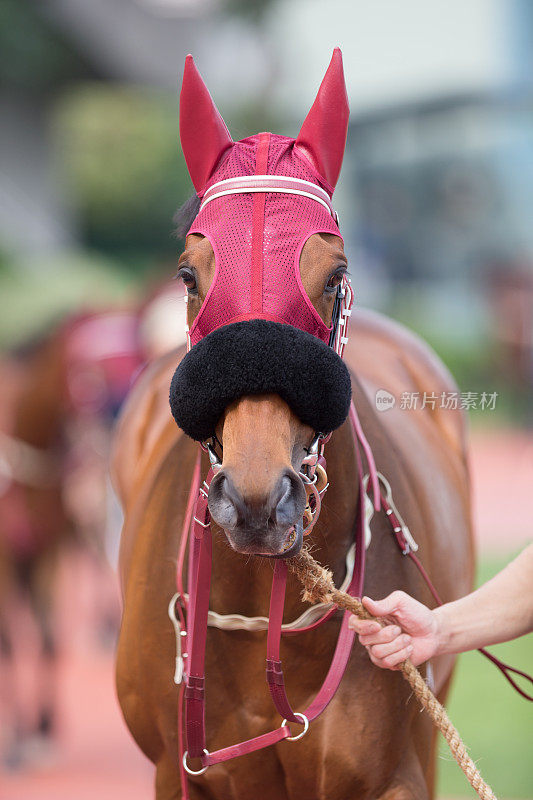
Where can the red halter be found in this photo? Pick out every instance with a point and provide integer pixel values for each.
(197, 533)
(193, 609)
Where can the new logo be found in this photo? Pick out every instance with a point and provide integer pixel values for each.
(384, 400)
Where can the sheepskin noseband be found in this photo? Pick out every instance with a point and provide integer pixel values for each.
(259, 357)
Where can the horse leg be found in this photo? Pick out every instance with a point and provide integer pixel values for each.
(168, 782)
(408, 782)
(41, 593)
(10, 713)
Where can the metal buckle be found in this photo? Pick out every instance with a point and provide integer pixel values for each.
(178, 672)
(216, 463)
(194, 771)
(209, 448)
(313, 447)
(305, 723)
(310, 461)
(408, 536)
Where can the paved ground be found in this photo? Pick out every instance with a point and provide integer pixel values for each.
(502, 476)
(95, 757)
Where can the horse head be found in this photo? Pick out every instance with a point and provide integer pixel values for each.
(265, 272)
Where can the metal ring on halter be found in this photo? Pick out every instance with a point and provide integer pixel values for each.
(321, 475)
(195, 771)
(310, 460)
(209, 448)
(305, 723)
(315, 513)
(313, 447)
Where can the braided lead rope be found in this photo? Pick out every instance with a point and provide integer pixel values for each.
(319, 587)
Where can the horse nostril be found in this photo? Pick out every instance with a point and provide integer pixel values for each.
(224, 502)
(289, 500)
(253, 517)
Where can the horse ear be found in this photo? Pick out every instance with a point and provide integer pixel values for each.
(203, 133)
(323, 135)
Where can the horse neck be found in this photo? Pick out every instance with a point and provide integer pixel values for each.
(242, 585)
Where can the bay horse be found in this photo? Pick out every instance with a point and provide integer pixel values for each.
(371, 742)
(60, 396)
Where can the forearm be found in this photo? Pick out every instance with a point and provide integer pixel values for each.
(498, 611)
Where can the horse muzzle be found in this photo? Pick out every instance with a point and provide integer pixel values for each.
(267, 525)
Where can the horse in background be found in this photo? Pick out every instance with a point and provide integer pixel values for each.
(61, 394)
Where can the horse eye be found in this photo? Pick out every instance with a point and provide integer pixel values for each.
(335, 280)
(188, 277)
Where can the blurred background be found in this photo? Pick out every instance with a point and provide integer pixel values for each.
(435, 204)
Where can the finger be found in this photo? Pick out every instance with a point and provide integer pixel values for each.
(393, 661)
(383, 635)
(388, 605)
(363, 626)
(389, 648)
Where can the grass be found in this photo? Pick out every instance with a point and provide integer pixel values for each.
(494, 721)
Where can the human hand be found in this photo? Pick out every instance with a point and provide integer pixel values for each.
(415, 636)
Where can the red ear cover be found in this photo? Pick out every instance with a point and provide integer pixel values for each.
(322, 138)
(203, 133)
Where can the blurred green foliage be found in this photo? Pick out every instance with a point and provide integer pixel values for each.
(119, 150)
(493, 720)
(36, 294)
(120, 154)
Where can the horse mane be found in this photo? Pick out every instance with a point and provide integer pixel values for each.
(185, 215)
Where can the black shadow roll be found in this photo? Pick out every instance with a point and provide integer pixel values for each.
(259, 357)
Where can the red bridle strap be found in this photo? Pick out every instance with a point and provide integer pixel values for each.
(197, 611)
(274, 671)
(267, 184)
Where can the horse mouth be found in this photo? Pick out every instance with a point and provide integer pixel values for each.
(291, 546)
(290, 540)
